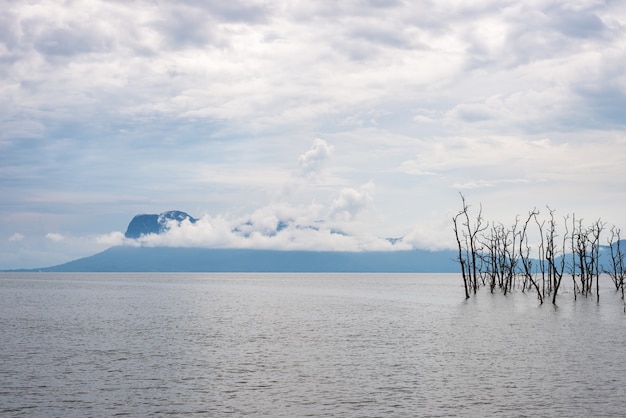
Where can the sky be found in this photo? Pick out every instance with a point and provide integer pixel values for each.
(303, 124)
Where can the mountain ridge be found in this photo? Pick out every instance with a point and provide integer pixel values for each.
(186, 259)
(197, 259)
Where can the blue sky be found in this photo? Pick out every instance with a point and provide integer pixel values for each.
(365, 117)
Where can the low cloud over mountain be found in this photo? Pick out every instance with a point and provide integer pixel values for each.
(155, 224)
(279, 229)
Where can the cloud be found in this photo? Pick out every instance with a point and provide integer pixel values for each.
(433, 234)
(515, 159)
(244, 62)
(264, 229)
(115, 108)
(278, 226)
(577, 22)
(52, 236)
(16, 237)
(115, 238)
(198, 24)
(312, 160)
(350, 202)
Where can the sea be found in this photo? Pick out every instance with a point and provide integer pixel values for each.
(304, 345)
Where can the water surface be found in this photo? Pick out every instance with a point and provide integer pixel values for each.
(302, 345)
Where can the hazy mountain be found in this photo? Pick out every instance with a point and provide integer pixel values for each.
(183, 259)
(168, 259)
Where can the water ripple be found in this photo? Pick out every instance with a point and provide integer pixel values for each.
(301, 345)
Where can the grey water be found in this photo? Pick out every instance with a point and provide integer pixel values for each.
(340, 345)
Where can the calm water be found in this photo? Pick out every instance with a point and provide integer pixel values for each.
(302, 345)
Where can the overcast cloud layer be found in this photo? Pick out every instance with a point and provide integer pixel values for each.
(293, 124)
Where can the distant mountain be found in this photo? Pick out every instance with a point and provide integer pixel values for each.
(168, 259)
(177, 259)
(154, 224)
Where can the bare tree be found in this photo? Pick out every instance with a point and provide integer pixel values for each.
(554, 257)
(462, 257)
(524, 253)
(573, 252)
(490, 259)
(469, 246)
(541, 256)
(581, 250)
(473, 229)
(595, 232)
(504, 255)
(616, 269)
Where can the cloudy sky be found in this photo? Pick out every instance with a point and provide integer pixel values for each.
(303, 124)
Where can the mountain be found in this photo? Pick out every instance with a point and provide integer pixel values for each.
(169, 259)
(184, 259)
(155, 224)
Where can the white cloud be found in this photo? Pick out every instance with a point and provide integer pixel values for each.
(433, 234)
(351, 201)
(259, 232)
(16, 237)
(115, 238)
(515, 159)
(313, 159)
(55, 237)
(148, 106)
(278, 226)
